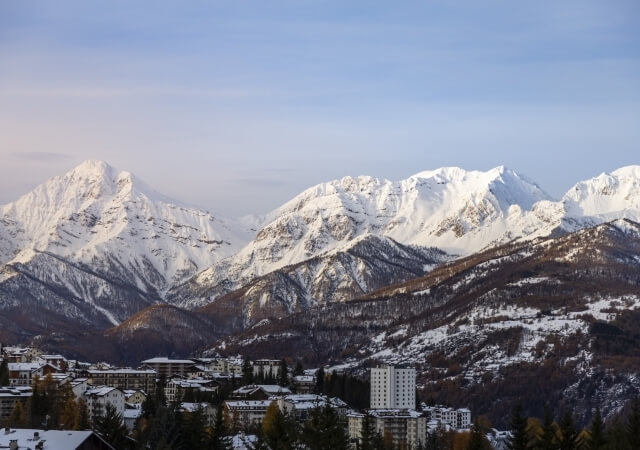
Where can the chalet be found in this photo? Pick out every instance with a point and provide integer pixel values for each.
(259, 391)
(245, 413)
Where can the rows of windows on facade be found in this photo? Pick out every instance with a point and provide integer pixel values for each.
(393, 388)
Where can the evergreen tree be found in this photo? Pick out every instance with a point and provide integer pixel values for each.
(18, 417)
(279, 430)
(368, 434)
(477, 439)
(84, 419)
(299, 370)
(4, 372)
(322, 431)
(219, 439)
(320, 381)
(247, 372)
(568, 433)
(111, 427)
(633, 425)
(596, 439)
(193, 428)
(546, 439)
(283, 375)
(518, 439)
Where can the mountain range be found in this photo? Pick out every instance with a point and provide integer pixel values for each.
(467, 274)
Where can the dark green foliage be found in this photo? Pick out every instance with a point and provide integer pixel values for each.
(280, 431)
(111, 427)
(596, 439)
(568, 433)
(353, 390)
(547, 439)
(322, 431)
(519, 438)
(299, 370)
(219, 439)
(4, 372)
(477, 439)
(633, 425)
(369, 438)
(320, 381)
(283, 376)
(193, 429)
(247, 372)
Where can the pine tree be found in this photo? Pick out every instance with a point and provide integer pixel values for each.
(111, 427)
(322, 431)
(18, 417)
(247, 372)
(633, 424)
(283, 375)
(219, 439)
(368, 434)
(193, 428)
(320, 381)
(518, 439)
(279, 430)
(299, 370)
(546, 440)
(596, 439)
(477, 439)
(84, 419)
(568, 432)
(4, 372)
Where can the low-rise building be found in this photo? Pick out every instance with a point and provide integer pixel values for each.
(407, 428)
(301, 405)
(176, 388)
(166, 367)
(134, 397)
(97, 399)
(245, 413)
(304, 384)
(144, 380)
(260, 391)
(23, 374)
(459, 419)
(208, 411)
(9, 396)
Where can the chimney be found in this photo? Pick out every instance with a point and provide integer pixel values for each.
(7, 430)
(36, 436)
(13, 444)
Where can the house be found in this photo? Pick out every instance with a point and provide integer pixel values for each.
(244, 413)
(51, 440)
(301, 405)
(134, 397)
(57, 361)
(97, 399)
(304, 384)
(223, 365)
(9, 396)
(259, 391)
(20, 354)
(131, 415)
(167, 368)
(79, 386)
(459, 419)
(207, 409)
(243, 441)
(23, 374)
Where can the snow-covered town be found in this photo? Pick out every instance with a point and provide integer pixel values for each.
(101, 406)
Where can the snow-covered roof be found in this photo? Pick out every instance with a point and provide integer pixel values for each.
(243, 441)
(160, 360)
(384, 413)
(191, 407)
(24, 367)
(132, 413)
(101, 390)
(250, 403)
(304, 379)
(53, 439)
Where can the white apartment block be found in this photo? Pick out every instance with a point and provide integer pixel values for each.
(407, 428)
(455, 418)
(97, 399)
(393, 388)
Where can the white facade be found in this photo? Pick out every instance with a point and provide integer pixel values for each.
(393, 388)
(97, 399)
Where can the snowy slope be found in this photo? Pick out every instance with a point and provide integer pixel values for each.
(455, 210)
(108, 223)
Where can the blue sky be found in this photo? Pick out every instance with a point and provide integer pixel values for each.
(237, 106)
